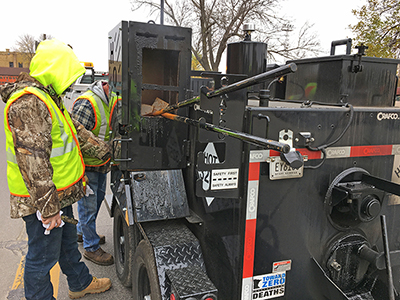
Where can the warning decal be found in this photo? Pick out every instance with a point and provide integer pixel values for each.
(210, 157)
(222, 179)
(281, 266)
(269, 286)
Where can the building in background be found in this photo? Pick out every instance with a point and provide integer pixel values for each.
(13, 59)
(10, 74)
(12, 64)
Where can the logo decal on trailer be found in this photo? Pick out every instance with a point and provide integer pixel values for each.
(387, 116)
(269, 286)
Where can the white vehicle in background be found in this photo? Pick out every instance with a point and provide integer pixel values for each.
(82, 83)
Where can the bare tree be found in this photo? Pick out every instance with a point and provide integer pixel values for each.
(214, 23)
(286, 45)
(26, 44)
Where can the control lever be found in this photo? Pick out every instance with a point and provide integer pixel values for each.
(373, 257)
(293, 158)
(278, 72)
(382, 184)
(245, 137)
(387, 258)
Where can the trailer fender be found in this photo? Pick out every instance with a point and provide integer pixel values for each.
(158, 195)
(179, 260)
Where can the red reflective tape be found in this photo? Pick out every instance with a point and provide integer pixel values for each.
(310, 154)
(249, 243)
(274, 153)
(303, 151)
(358, 151)
(254, 171)
(250, 229)
(355, 151)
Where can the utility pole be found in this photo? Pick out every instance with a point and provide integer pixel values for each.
(162, 12)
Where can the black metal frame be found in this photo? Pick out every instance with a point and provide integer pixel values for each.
(292, 216)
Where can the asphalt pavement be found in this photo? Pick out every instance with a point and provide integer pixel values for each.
(117, 291)
(13, 251)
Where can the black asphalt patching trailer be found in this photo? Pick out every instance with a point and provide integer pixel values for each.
(277, 182)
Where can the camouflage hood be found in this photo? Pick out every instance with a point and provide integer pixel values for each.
(22, 81)
(55, 66)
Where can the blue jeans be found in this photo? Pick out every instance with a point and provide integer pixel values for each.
(88, 208)
(43, 253)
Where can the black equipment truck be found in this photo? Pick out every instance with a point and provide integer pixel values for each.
(275, 182)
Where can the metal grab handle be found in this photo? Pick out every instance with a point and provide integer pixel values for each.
(346, 42)
(113, 150)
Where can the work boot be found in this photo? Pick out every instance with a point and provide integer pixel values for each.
(101, 242)
(99, 257)
(98, 285)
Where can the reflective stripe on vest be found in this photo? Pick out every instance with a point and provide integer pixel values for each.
(101, 112)
(101, 128)
(65, 157)
(113, 103)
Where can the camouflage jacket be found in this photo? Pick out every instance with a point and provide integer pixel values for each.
(31, 125)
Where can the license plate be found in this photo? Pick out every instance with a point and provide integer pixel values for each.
(278, 169)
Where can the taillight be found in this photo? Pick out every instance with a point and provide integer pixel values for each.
(172, 297)
(209, 297)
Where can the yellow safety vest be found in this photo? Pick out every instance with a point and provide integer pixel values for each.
(101, 127)
(113, 103)
(66, 158)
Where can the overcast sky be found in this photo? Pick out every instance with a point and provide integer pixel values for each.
(85, 24)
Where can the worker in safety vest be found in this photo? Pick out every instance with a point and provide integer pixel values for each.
(91, 110)
(45, 169)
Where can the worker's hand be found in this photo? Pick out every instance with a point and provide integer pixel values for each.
(54, 221)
